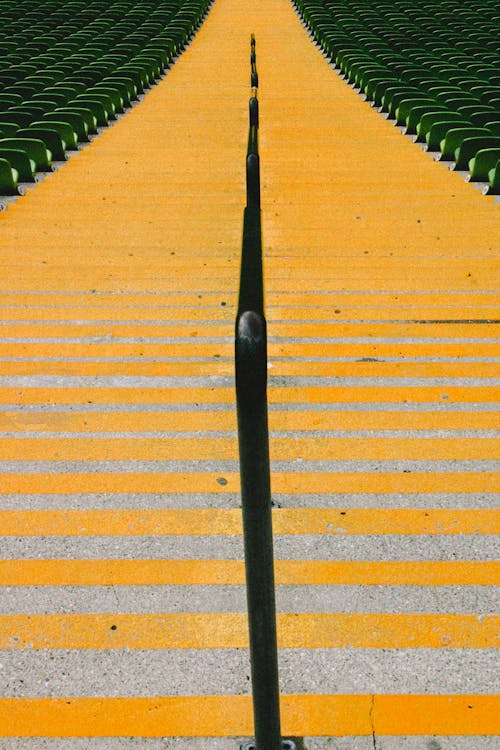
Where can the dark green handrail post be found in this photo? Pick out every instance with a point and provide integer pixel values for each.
(253, 440)
(251, 390)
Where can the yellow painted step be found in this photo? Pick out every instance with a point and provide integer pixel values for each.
(282, 449)
(230, 630)
(111, 329)
(208, 522)
(192, 421)
(225, 367)
(43, 351)
(208, 300)
(295, 483)
(215, 716)
(116, 572)
(276, 395)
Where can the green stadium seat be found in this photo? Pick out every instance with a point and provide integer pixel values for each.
(483, 163)
(70, 89)
(140, 81)
(64, 129)
(26, 91)
(493, 181)
(58, 99)
(9, 100)
(469, 148)
(26, 167)
(74, 120)
(28, 109)
(125, 86)
(428, 120)
(439, 130)
(53, 141)
(19, 119)
(454, 138)
(375, 83)
(113, 93)
(480, 118)
(394, 95)
(475, 109)
(95, 105)
(84, 112)
(405, 107)
(455, 103)
(8, 178)
(8, 79)
(35, 148)
(139, 73)
(40, 106)
(493, 126)
(486, 93)
(417, 113)
(42, 77)
(6, 131)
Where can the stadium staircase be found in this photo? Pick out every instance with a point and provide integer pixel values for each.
(122, 605)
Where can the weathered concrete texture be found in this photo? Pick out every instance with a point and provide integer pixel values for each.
(298, 547)
(306, 433)
(226, 339)
(126, 501)
(233, 743)
(223, 381)
(335, 598)
(226, 672)
(322, 406)
(400, 743)
(296, 465)
(73, 501)
(113, 381)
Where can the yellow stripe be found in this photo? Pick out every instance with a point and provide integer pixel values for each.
(230, 630)
(81, 277)
(196, 349)
(338, 349)
(308, 449)
(209, 522)
(405, 329)
(231, 572)
(474, 299)
(162, 299)
(277, 369)
(218, 329)
(88, 313)
(190, 421)
(342, 312)
(116, 330)
(282, 483)
(338, 311)
(306, 394)
(209, 716)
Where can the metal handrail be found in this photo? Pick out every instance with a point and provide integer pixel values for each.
(253, 439)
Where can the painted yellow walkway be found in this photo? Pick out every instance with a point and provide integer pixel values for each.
(121, 602)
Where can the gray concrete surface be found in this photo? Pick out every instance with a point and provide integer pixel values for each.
(152, 501)
(301, 547)
(233, 743)
(479, 600)
(60, 673)
(293, 465)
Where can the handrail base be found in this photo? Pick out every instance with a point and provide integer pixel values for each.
(289, 743)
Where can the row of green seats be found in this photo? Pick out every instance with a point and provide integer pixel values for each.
(433, 67)
(67, 69)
